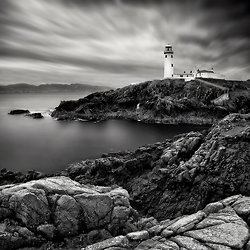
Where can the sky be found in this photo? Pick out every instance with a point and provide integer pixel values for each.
(118, 42)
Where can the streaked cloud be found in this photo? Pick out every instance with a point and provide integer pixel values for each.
(118, 42)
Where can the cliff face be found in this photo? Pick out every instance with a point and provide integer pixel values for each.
(163, 101)
(178, 177)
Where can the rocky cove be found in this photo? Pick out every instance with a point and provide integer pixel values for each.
(190, 192)
(187, 193)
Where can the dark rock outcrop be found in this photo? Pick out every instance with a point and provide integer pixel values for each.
(35, 115)
(57, 208)
(168, 179)
(19, 112)
(160, 101)
(219, 226)
(11, 177)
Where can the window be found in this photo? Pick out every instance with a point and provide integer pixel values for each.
(171, 56)
(172, 65)
(166, 56)
(172, 75)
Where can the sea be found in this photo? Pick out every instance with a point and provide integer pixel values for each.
(49, 146)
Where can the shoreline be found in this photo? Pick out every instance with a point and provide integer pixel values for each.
(182, 120)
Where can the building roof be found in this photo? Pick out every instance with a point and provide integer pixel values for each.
(182, 74)
(205, 71)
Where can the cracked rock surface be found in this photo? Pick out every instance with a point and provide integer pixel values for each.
(220, 228)
(58, 207)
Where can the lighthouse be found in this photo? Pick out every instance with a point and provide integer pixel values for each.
(168, 62)
(186, 75)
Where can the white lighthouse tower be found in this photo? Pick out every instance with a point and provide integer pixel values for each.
(168, 62)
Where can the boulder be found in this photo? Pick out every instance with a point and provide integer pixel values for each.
(35, 115)
(139, 236)
(18, 111)
(229, 234)
(47, 230)
(119, 241)
(67, 216)
(242, 206)
(97, 209)
(58, 207)
(186, 223)
(213, 207)
(30, 206)
(189, 243)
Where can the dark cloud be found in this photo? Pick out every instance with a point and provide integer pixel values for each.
(120, 41)
(199, 41)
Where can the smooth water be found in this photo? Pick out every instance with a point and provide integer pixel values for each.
(48, 145)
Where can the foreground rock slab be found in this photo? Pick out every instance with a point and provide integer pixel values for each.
(34, 212)
(223, 229)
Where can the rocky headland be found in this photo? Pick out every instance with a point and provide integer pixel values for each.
(169, 101)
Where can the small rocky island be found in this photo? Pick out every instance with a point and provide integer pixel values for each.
(19, 111)
(188, 193)
(36, 115)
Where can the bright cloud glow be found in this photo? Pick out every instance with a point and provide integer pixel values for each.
(117, 42)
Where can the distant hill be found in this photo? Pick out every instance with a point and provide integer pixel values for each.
(49, 88)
